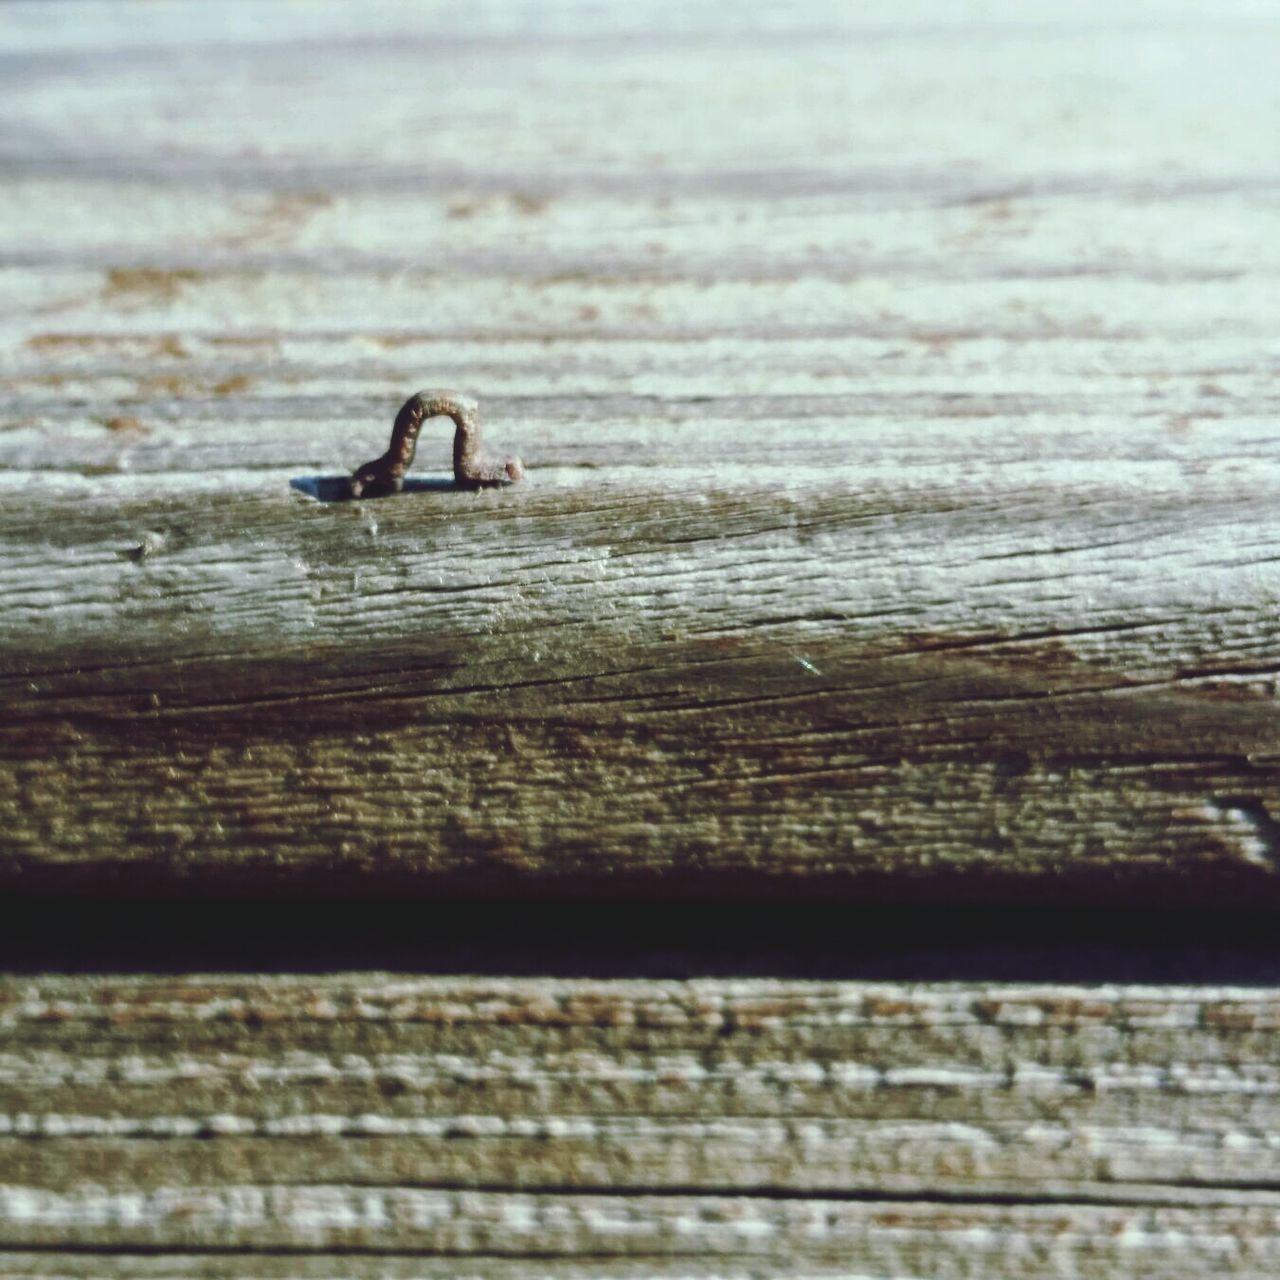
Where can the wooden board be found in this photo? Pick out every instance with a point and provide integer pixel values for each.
(249, 1126)
(897, 396)
(896, 387)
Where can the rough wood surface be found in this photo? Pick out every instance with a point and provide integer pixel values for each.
(702, 1128)
(897, 393)
(896, 383)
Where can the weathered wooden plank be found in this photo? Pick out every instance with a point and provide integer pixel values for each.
(629, 679)
(713, 1124)
(900, 508)
(897, 392)
(880, 1238)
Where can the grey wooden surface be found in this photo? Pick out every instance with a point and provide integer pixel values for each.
(896, 386)
(627, 1128)
(896, 383)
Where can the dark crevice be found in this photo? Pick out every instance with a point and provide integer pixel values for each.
(1175, 1194)
(529, 1253)
(643, 939)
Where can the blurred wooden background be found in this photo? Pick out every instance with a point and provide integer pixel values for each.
(896, 383)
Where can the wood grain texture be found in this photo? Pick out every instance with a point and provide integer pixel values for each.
(249, 1126)
(897, 393)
